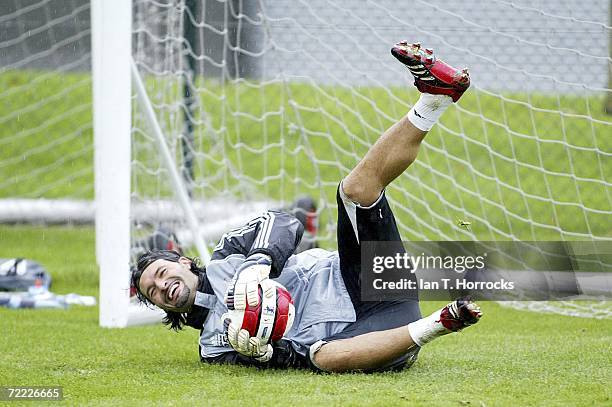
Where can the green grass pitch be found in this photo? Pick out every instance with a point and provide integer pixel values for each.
(511, 358)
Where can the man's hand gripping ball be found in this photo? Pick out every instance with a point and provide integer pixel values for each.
(260, 310)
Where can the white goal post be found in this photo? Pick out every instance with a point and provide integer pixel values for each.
(114, 72)
(112, 93)
(117, 89)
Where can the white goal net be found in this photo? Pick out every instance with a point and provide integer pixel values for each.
(288, 97)
(46, 144)
(284, 98)
(265, 101)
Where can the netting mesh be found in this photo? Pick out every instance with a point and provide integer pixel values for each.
(45, 98)
(286, 99)
(283, 100)
(271, 100)
(582, 307)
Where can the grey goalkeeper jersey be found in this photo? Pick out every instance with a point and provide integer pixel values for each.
(322, 304)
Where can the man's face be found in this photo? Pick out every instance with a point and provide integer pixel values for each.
(170, 285)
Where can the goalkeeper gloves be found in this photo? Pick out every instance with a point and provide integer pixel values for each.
(244, 289)
(244, 343)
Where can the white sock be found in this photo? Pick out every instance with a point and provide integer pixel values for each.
(427, 329)
(425, 113)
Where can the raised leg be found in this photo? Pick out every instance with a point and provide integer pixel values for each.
(398, 147)
(392, 153)
(440, 85)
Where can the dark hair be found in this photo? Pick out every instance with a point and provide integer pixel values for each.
(174, 320)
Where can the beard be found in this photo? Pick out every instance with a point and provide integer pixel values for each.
(183, 298)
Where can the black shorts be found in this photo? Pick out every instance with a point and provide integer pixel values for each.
(375, 223)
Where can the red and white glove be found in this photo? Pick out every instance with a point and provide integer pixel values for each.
(245, 286)
(243, 290)
(243, 342)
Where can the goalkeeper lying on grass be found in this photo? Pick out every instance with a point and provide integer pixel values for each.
(332, 329)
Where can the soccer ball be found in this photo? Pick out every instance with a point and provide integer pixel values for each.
(272, 318)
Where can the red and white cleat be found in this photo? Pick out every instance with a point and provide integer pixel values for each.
(460, 314)
(431, 75)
